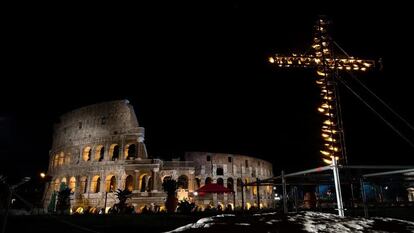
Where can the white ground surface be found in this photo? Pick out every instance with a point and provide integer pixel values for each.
(297, 222)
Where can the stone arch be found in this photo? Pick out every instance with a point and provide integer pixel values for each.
(150, 184)
(268, 190)
(57, 184)
(79, 210)
(248, 205)
(56, 160)
(114, 152)
(96, 184)
(220, 181)
(164, 178)
(93, 210)
(99, 153)
(246, 181)
(86, 154)
(83, 184)
(63, 181)
(220, 206)
(130, 151)
(197, 183)
(67, 159)
(182, 182)
(143, 182)
(72, 184)
(61, 158)
(110, 183)
(239, 184)
(230, 183)
(230, 206)
(208, 180)
(129, 183)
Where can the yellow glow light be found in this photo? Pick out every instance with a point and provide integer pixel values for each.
(329, 131)
(327, 161)
(271, 60)
(328, 122)
(325, 152)
(43, 175)
(325, 135)
(326, 106)
(334, 148)
(316, 46)
(320, 73)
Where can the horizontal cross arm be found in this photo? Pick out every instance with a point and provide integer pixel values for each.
(312, 61)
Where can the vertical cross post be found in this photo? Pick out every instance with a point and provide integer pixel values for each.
(337, 187)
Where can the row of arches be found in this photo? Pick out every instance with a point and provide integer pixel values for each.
(230, 184)
(60, 159)
(130, 152)
(237, 170)
(209, 180)
(97, 154)
(145, 183)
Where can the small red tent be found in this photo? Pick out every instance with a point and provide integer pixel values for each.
(213, 188)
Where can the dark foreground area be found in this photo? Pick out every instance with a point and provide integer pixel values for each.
(97, 223)
(207, 222)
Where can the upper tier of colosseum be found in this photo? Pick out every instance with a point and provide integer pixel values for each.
(97, 121)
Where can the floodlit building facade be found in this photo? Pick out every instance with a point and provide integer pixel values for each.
(100, 148)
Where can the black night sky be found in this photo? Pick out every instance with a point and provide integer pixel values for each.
(198, 77)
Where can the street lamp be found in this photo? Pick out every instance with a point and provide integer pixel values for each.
(46, 179)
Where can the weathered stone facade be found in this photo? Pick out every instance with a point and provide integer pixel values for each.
(100, 148)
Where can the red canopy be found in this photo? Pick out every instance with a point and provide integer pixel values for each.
(213, 188)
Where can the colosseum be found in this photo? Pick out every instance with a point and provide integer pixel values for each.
(100, 148)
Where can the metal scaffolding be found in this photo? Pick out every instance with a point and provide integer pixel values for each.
(318, 176)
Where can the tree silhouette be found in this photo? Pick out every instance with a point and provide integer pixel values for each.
(170, 186)
(121, 207)
(63, 200)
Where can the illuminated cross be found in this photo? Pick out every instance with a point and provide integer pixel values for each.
(327, 67)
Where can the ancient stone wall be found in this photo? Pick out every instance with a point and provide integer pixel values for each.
(100, 148)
